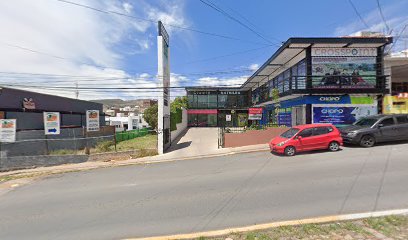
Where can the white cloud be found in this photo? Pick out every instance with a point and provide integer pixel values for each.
(88, 39)
(254, 67)
(216, 81)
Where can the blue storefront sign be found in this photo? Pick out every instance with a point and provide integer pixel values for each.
(317, 99)
(285, 119)
(341, 115)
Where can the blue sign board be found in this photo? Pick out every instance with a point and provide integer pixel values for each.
(341, 115)
(285, 118)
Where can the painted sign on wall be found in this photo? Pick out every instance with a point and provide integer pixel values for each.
(92, 120)
(8, 130)
(52, 123)
(341, 115)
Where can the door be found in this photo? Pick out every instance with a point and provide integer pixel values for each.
(307, 141)
(387, 130)
(321, 137)
(402, 127)
(298, 115)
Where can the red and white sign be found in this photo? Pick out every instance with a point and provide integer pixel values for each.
(255, 113)
(403, 95)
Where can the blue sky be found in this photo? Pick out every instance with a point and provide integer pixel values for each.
(102, 45)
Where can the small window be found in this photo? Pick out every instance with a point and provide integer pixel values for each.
(306, 133)
(402, 119)
(387, 122)
(320, 131)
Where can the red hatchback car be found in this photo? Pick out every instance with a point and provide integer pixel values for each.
(306, 138)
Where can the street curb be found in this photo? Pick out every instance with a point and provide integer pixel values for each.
(323, 219)
(123, 164)
(203, 156)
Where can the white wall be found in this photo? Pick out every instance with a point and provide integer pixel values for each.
(180, 126)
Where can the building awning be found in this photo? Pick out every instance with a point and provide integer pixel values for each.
(294, 50)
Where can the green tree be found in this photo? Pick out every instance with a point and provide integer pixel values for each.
(178, 103)
(151, 115)
(275, 99)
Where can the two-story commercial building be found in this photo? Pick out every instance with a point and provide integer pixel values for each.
(319, 80)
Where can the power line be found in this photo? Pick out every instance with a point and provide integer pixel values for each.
(218, 9)
(227, 55)
(358, 14)
(154, 21)
(382, 17)
(248, 21)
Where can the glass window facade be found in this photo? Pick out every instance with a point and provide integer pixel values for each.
(217, 99)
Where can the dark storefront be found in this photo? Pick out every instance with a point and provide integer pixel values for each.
(28, 107)
(217, 107)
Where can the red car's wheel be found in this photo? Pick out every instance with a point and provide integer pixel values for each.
(290, 151)
(334, 146)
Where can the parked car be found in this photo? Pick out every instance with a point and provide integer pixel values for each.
(370, 130)
(306, 138)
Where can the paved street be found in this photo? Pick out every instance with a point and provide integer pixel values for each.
(206, 194)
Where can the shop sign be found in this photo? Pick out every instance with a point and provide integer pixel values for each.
(342, 115)
(92, 120)
(403, 95)
(230, 92)
(255, 113)
(344, 52)
(28, 103)
(228, 118)
(52, 123)
(8, 130)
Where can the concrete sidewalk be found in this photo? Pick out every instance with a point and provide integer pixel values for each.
(171, 156)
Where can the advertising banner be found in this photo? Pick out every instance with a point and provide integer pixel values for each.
(52, 123)
(255, 113)
(344, 72)
(92, 120)
(342, 115)
(8, 130)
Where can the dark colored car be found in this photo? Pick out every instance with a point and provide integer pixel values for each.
(370, 130)
(307, 138)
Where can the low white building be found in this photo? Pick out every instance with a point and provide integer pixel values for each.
(131, 122)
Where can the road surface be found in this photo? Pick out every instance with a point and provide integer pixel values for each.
(206, 194)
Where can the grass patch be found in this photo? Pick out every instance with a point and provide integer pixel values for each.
(389, 226)
(141, 143)
(392, 226)
(65, 152)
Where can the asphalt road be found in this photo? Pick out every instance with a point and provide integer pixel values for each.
(206, 194)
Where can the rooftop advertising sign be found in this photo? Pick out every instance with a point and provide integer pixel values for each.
(344, 52)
